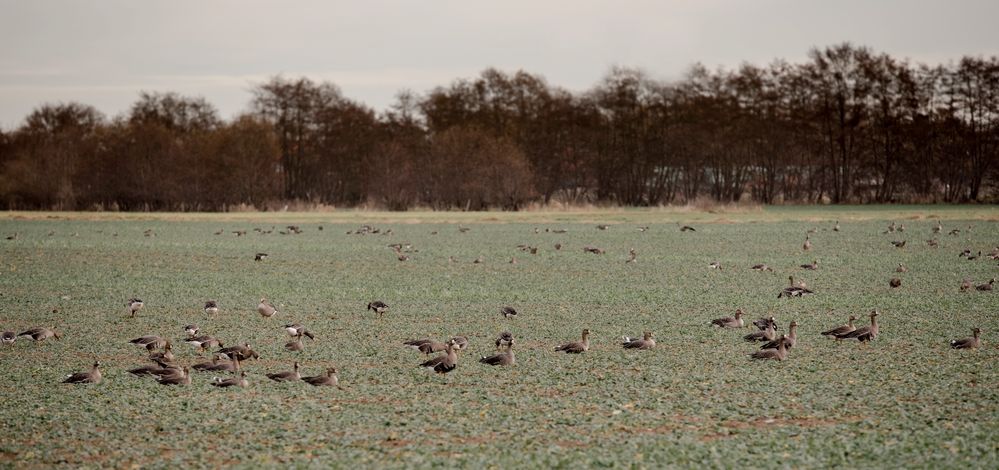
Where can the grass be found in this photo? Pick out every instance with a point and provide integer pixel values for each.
(906, 400)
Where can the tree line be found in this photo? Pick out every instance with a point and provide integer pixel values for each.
(847, 126)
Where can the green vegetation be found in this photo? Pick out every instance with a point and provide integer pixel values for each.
(906, 400)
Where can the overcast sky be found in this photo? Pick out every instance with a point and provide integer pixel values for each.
(104, 52)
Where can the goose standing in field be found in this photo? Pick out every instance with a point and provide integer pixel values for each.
(444, 363)
(92, 376)
(239, 381)
(938, 228)
(811, 267)
(211, 307)
(779, 354)
(577, 347)
(287, 376)
(767, 334)
(762, 267)
(968, 343)
(864, 333)
(329, 379)
(508, 312)
(296, 329)
(836, 227)
(8, 338)
(504, 338)
(378, 307)
(901, 268)
(841, 330)
(987, 287)
(632, 256)
(134, 305)
(265, 309)
(184, 378)
(789, 340)
(505, 358)
(730, 322)
(894, 283)
(40, 334)
(634, 343)
(808, 244)
(901, 228)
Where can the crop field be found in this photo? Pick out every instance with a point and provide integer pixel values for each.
(697, 399)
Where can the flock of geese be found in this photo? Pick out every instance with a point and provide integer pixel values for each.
(166, 370)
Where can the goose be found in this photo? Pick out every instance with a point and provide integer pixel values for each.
(603, 227)
(211, 307)
(505, 358)
(987, 287)
(643, 228)
(203, 366)
(8, 338)
(444, 363)
(864, 333)
(954, 232)
(265, 309)
(632, 256)
(894, 282)
(811, 267)
(891, 228)
(204, 342)
(789, 340)
(762, 323)
(243, 352)
(898, 244)
(901, 268)
(166, 355)
(296, 329)
(687, 228)
(463, 229)
(329, 379)
(92, 376)
(558, 247)
(222, 365)
(232, 381)
(504, 338)
(402, 257)
(836, 227)
(964, 253)
(974, 257)
(460, 342)
(938, 228)
(508, 312)
(144, 340)
(966, 285)
(901, 227)
(778, 354)
(560, 230)
(134, 305)
(730, 322)
(593, 249)
(968, 343)
(841, 330)
(808, 244)
(761, 267)
(156, 370)
(287, 376)
(41, 334)
(794, 290)
(634, 343)
(156, 344)
(425, 346)
(513, 260)
(184, 378)
(295, 344)
(577, 347)
(260, 256)
(767, 334)
(378, 307)
(191, 330)
(933, 243)
(715, 265)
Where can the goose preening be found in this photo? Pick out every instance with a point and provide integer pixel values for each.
(901, 268)
(134, 305)
(183, 378)
(634, 343)
(894, 282)
(241, 352)
(767, 334)
(898, 244)
(577, 347)
(811, 267)
(968, 343)
(296, 329)
(92, 376)
(444, 363)
(779, 354)
(841, 330)
(761, 267)
(260, 256)
(987, 287)
(508, 312)
(265, 309)
(632, 256)
(191, 330)
(730, 322)
(41, 334)
(789, 340)
(238, 381)
(378, 307)
(505, 358)
(286, 376)
(794, 290)
(211, 307)
(504, 338)
(864, 333)
(8, 338)
(329, 379)
(204, 342)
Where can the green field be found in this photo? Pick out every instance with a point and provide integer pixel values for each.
(906, 400)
